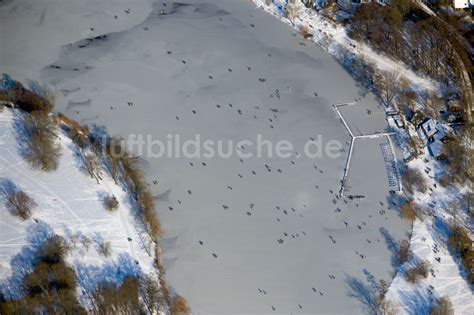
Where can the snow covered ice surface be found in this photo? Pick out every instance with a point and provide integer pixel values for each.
(69, 204)
(176, 68)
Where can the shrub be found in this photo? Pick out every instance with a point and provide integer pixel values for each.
(42, 151)
(72, 124)
(53, 250)
(404, 252)
(78, 138)
(20, 204)
(461, 243)
(445, 181)
(105, 249)
(122, 299)
(111, 203)
(50, 288)
(387, 85)
(420, 270)
(147, 203)
(86, 242)
(458, 157)
(410, 211)
(92, 165)
(442, 307)
(306, 32)
(26, 99)
(293, 10)
(152, 295)
(114, 152)
(387, 308)
(133, 175)
(57, 276)
(418, 118)
(179, 306)
(413, 180)
(140, 191)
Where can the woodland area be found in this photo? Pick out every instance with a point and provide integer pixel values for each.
(425, 43)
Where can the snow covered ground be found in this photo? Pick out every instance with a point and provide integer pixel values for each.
(69, 203)
(428, 242)
(447, 279)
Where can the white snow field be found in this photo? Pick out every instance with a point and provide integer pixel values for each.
(447, 280)
(69, 203)
(286, 242)
(428, 242)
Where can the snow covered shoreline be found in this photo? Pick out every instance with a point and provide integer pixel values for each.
(69, 203)
(428, 242)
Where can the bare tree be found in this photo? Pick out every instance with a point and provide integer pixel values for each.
(387, 307)
(432, 104)
(86, 242)
(387, 85)
(20, 204)
(458, 160)
(417, 272)
(411, 210)
(306, 32)
(105, 249)
(92, 165)
(115, 152)
(42, 151)
(179, 306)
(404, 252)
(413, 180)
(151, 294)
(442, 307)
(293, 10)
(408, 99)
(111, 203)
(118, 299)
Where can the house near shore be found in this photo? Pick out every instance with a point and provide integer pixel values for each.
(463, 4)
(352, 5)
(436, 150)
(397, 119)
(429, 129)
(434, 135)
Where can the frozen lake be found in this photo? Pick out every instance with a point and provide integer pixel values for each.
(283, 240)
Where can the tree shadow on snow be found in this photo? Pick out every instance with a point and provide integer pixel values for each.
(365, 293)
(392, 245)
(91, 276)
(416, 302)
(22, 134)
(7, 187)
(23, 262)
